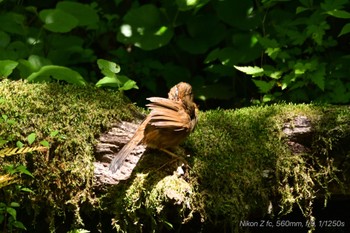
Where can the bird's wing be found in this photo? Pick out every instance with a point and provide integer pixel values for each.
(168, 114)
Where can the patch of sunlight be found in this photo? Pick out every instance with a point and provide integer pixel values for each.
(253, 41)
(161, 31)
(33, 41)
(191, 2)
(226, 61)
(49, 19)
(299, 71)
(202, 97)
(126, 30)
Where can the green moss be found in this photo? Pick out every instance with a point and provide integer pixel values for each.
(63, 176)
(233, 149)
(240, 165)
(240, 162)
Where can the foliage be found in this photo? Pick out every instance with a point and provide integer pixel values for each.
(36, 45)
(111, 79)
(303, 57)
(11, 196)
(299, 45)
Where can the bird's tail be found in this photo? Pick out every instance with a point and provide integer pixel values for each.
(119, 160)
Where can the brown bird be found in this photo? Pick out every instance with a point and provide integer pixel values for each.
(168, 124)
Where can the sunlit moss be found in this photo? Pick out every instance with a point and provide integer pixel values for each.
(241, 165)
(63, 176)
(240, 161)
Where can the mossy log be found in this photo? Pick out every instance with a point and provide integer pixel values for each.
(242, 164)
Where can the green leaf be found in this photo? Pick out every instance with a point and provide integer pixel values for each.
(45, 143)
(251, 70)
(272, 72)
(130, 84)
(119, 81)
(7, 67)
(12, 212)
(267, 42)
(19, 144)
(11, 122)
(12, 23)
(4, 39)
(15, 50)
(10, 169)
(306, 3)
(267, 98)
(57, 72)
(272, 47)
(345, 29)
(4, 116)
(317, 31)
(264, 86)
(318, 76)
(31, 138)
(84, 13)
(23, 170)
(57, 20)
(339, 93)
(14, 204)
(109, 82)
(339, 14)
(54, 133)
(108, 68)
(32, 64)
(168, 225)
(19, 225)
(212, 56)
(145, 27)
(329, 5)
(28, 190)
(301, 9)
(2, 206)
(3, 141)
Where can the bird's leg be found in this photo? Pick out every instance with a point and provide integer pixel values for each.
(174, 155)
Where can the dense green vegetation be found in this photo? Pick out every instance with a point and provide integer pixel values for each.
(287, 50)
